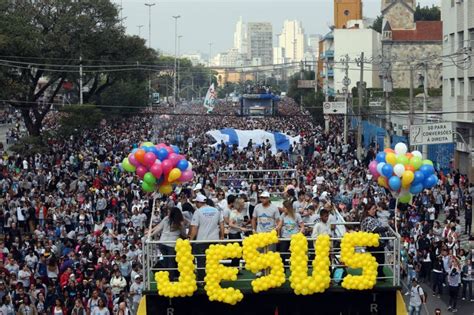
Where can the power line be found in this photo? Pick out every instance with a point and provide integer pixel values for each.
(34, 104)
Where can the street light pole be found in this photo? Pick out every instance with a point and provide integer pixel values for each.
(149, 5)
(179, 56)
(139, 30)
(210, 73)
(175, 17)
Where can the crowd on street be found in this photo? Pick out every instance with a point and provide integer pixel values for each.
(73, 221)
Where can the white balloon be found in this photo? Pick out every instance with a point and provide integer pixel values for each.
(399, 169)
(190, 166)
(379, 167)
(417, 154)
(401, 148)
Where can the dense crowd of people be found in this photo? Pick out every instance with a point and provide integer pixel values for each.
(73, 222)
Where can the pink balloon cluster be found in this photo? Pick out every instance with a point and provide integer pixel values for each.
(159, 166)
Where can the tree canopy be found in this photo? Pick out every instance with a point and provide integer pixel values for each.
(41, 44)
(425, 13)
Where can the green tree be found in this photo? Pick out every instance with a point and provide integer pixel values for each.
(377, 25)
(427, 13)
(125, 97)
(312, 100)
(75, 119)
(48, 38)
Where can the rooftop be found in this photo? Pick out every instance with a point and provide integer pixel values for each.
(424, 31)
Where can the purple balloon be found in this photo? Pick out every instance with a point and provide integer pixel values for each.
(133, 160)
(186, 176)
(149, 159)
(141, 171)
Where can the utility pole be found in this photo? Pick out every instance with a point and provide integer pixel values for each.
(301, 78)
(346, 93)
(412, 105)
(175, 17)
(210, 73)
(425, 105)
(387, 88)
(361, 92)
(326, 86)
(139, 30)
(81, 98)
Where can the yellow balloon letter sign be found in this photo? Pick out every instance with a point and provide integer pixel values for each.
(359, 260)
(255, 261)
(186, 285)
(215, 272)
(320, 279)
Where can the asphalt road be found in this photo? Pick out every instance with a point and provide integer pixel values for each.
(464, 307)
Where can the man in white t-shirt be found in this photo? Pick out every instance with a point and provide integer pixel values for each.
(265, 215)
(417, 298)
(207, 224)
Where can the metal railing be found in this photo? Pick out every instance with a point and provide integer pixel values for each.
(152, 256)
(273, 180)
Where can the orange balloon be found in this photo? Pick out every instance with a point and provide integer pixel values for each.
(410, 155)
(389, 150)
(409, 167)
(140, 156)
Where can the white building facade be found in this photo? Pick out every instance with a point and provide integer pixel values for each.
(353, 42)
(240, 37)
(260, 43)
(458, 83)
(292, 40)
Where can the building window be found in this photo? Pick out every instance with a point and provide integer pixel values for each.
(471, 86)
(346, 12)
(460, 40)
(451, 42)
(461, 87)
(452, 3)
(471, 37)
(452, 87)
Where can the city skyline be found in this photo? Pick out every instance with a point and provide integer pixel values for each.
(219, 28)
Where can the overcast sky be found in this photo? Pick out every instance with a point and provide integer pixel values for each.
(214, 21)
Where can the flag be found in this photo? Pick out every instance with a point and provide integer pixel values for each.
(210, 99)
(277, 140)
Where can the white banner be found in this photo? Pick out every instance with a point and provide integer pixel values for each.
(210, 99)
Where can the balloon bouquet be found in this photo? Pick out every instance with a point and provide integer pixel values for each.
(404, 174)
(159, 166)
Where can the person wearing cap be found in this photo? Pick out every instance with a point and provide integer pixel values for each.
(207, 225)
(136, 290)
(265, 215)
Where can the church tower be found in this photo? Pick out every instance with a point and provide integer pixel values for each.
(345, 10)
(399, 14)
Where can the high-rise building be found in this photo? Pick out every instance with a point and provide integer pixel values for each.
(458, 83)
(345, 10)
(240, 36)
(260, 43)
(312, 46)
(292, 40)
